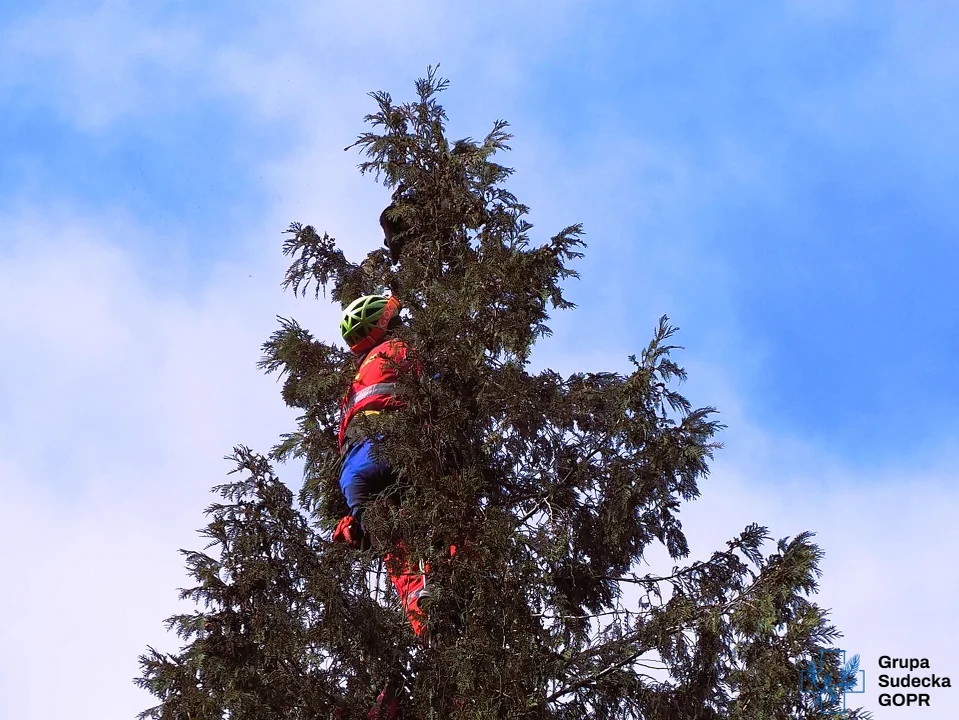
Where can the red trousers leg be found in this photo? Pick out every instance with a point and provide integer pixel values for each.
(410, 584)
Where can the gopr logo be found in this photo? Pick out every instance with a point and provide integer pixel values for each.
(831, 686)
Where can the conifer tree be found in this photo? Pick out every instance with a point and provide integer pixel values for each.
(554, 488)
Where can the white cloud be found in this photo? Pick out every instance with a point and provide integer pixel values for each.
(886, 545)
(101, 63)
(887, 534)
(118, 406)
(116, 59)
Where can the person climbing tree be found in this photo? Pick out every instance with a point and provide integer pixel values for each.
(367, 326)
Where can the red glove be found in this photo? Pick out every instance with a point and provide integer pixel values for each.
(349, 531)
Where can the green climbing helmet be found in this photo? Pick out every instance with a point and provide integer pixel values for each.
(365, 320)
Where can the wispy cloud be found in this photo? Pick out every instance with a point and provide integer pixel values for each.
(118, 405)
(102, 63)
(886, 535)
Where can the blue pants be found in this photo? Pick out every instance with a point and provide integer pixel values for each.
(363, 477)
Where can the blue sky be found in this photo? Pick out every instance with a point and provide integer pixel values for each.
(822, 163)
(779, 178)
(817, 155)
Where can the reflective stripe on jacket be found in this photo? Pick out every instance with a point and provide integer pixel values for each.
(375, 385)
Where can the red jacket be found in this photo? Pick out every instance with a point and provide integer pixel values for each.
(375, 385)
